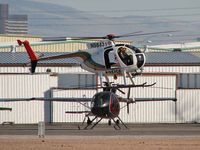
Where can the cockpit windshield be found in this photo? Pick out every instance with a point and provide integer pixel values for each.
(101, 99)
(126, 55)
(126, 52)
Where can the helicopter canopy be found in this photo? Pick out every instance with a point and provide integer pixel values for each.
(126, 54)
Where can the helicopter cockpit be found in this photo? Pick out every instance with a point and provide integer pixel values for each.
(126, 55)
(105, 104)
(101, 99)
(130, 54)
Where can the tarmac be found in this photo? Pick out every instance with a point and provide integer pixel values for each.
(102, 130)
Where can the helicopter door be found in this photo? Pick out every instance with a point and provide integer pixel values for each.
(109, 58)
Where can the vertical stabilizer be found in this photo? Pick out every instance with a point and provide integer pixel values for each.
(32, 55)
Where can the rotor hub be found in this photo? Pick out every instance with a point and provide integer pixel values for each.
(110, 36)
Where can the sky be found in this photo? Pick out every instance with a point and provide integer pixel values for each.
(129, 7)
(174, 10)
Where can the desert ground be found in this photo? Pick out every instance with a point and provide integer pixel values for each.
(100, 143)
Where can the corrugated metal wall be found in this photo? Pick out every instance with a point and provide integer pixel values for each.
(188, 106)
(24, 86)
(27, 85)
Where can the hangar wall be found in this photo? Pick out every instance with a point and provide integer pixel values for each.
(188, 105)
(27, 85)
(24, 86)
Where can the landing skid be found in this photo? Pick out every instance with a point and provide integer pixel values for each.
(117, 123)
(89, 123)
(91, 126)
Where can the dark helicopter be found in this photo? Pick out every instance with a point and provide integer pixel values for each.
(106, 104)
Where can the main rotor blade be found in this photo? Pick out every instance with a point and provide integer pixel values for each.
(109, 36)
(127, 34)
(132, 86)
(150, 33)
(114, 86)
(46, 99)
(155, 99)
(70, 38)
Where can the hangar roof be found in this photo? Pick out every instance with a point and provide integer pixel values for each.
(21, 58)
(173, 58)
(153, 58)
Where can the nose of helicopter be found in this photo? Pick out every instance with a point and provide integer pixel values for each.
(102, 112)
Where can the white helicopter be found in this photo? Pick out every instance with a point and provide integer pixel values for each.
(102, 58)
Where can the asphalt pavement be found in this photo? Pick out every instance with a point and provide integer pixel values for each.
(73, 129)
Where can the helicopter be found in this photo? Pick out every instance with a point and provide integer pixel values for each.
(102, 58)
(106, 105)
